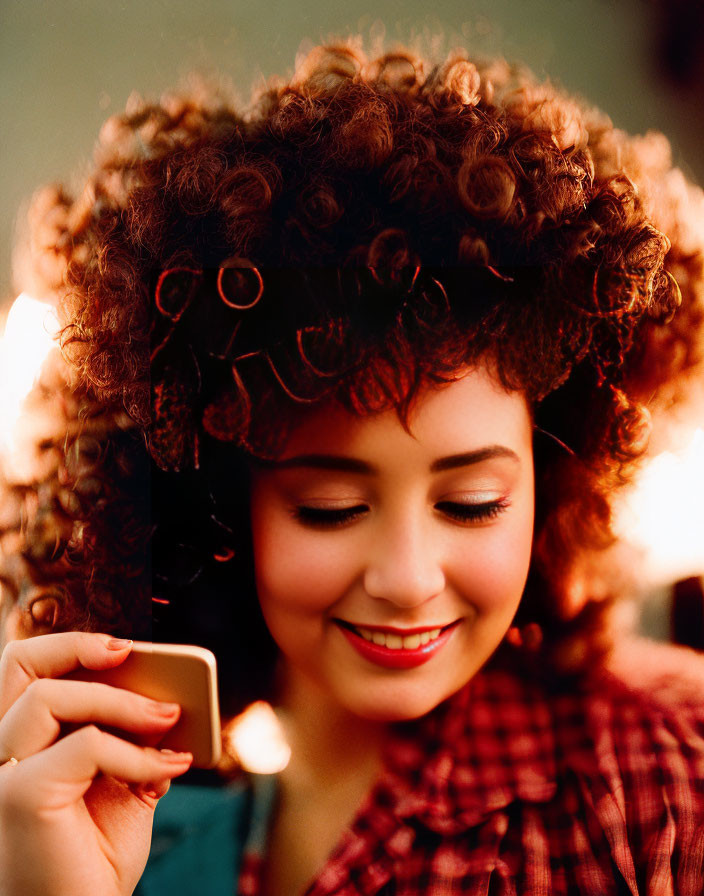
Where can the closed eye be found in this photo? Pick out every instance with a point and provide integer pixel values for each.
(329, 517)
(332, 517)
(472, 513)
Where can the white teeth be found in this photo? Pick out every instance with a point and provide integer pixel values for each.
(393, 641)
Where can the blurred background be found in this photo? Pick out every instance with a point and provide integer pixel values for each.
(66, 65)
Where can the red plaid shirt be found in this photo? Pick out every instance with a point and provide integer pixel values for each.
(506, 789)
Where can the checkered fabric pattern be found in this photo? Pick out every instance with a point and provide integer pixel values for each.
(506, 789)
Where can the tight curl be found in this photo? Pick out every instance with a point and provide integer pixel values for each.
(364, 229)
(74, 517)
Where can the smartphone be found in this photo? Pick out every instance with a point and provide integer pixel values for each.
(175, 673)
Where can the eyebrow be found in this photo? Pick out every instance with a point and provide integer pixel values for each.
(473, 457)
(344, 464)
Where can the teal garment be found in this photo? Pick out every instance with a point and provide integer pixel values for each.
(200, 834)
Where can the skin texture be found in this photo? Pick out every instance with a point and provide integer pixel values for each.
(403, 559)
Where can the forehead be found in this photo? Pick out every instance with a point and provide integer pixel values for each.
(471, 412)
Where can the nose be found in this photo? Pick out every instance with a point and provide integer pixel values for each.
(405, 565)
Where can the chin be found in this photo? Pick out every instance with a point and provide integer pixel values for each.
(398, 706)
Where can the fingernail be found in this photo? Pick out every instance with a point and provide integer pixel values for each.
(170, 756)
(163, 709)
(118, 643)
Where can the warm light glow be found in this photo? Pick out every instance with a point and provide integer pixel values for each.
(663, 514)
(28, 339)
(257, 739)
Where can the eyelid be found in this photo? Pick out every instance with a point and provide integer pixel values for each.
(472, 512)
(474, 497)
(327, 516)
(330, 504)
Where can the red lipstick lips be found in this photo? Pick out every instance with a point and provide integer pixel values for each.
(399, 657)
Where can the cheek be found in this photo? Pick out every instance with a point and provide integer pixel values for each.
(493, 574)
(296, 570)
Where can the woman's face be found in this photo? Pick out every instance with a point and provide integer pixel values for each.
(389, 564)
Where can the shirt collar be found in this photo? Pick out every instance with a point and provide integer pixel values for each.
(490, 744)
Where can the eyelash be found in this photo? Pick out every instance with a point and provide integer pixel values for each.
(328, 518)
(473, 513)
(325, 518)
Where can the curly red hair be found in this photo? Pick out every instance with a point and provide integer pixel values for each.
(75, 515)
(363, 229)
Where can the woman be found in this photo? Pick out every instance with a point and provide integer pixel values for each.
(401, 323)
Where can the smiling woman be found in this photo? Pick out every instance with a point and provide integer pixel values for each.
(389, 564)
(387, 343)
(370, 539)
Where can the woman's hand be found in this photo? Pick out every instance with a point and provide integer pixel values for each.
(76, 810)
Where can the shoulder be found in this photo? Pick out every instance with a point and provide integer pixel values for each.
(648, 700)
(645, 708)
(650, 696)
(572, 789)
(633, 741)
(628, 748)
(661, 674)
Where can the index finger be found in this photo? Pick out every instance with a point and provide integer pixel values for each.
(50, 656)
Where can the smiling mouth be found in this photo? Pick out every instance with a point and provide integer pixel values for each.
(394, 639)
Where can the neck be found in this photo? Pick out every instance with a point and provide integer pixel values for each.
(326, 740)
